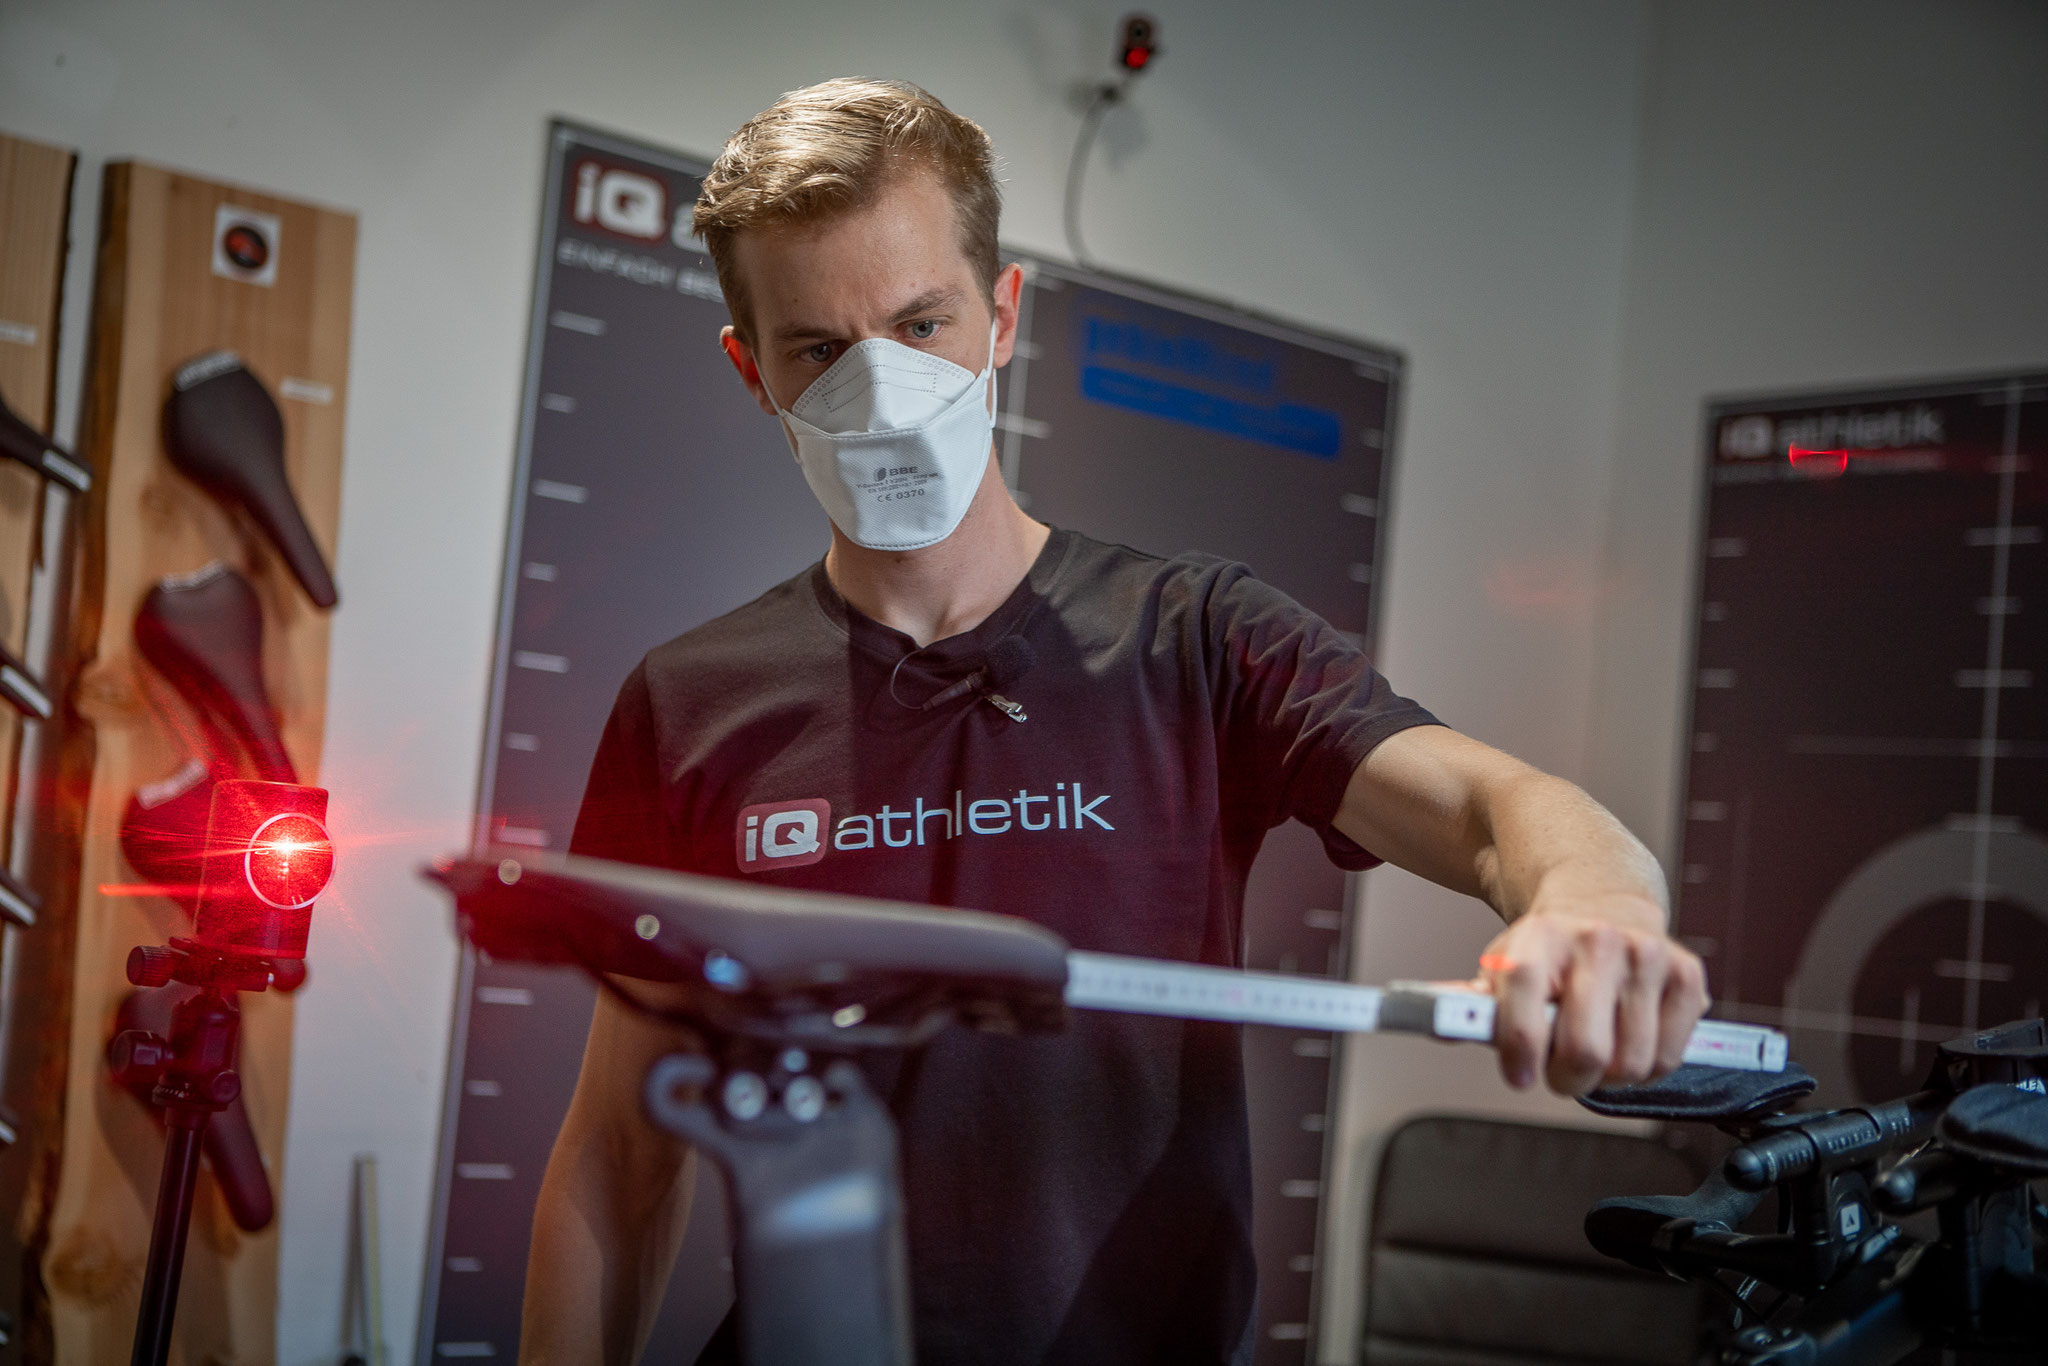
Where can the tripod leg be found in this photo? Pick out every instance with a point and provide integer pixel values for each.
(167, 1241)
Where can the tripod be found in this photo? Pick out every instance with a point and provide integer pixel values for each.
(192, 1076)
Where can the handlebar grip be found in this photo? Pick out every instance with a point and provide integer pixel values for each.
(1630, 1228)
(1840, 1136)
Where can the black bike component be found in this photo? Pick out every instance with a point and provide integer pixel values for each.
(787, 966)
(19, 685)
(1920, 1181)
(2001, 1126)
(1852, 1288)
(1715, 1094)
(1649, 1231)
(163, 832)
(1810, 1143)
(223, 431)
(23, 443)
(2016, 1053)
(1864, 1319)
(811, 1180)
(785, 987)
(203, 632)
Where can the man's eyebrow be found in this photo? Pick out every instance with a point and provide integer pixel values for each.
(937, 299)
(931, 301)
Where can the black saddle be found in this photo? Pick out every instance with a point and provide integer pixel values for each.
(223, 431)
(203, 632)
(766, 961)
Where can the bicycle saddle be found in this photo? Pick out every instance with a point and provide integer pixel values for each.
(1715, 1095)
(19, 441)
(163, 831)
(229, 1140)
(222, 430)
(766, 953)
(203, 632)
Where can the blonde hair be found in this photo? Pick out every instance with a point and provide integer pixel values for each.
(833, 147)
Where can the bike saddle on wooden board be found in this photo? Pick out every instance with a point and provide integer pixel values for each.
(223, 431)
(19, 441)
(229, 1141)
(163, 832)
(203, 632)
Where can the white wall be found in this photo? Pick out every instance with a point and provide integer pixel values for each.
(1831, 194)
(1457, 181)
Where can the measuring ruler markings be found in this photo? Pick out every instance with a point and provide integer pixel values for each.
(1150, 986)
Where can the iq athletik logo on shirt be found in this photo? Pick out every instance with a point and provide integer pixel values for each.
(791, 834)
(783, 834)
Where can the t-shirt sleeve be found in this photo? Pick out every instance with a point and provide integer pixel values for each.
(1300, 707)
(622, 816)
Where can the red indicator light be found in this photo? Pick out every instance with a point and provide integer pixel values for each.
(1809, 461)
(1136, 57)
(288, 861)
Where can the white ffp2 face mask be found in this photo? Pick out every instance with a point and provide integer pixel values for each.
(893, 441)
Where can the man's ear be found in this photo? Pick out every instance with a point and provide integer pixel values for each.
(1009, 291)
(742, 357)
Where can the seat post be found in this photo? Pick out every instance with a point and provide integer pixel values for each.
(816, 1204)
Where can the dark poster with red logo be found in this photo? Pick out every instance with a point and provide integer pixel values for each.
(651, 495)
(1866, 839)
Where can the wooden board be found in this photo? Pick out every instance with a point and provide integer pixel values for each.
(159, 303)
(35, 206)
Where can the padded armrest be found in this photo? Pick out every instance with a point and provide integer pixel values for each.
(751, 943)
(1712, 1094)
(2001, 1125)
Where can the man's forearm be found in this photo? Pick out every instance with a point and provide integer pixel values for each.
(1585, 903)
(600, 1258)
(1550, 845)
(612, 1209)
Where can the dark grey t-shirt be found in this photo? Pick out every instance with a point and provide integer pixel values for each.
(1078, 1198)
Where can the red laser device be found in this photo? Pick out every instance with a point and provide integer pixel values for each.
(267, 857)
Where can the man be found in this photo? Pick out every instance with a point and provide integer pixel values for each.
(1084, 1197)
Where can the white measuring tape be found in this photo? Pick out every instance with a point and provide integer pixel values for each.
(1151, 986)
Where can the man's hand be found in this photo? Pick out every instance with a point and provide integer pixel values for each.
(1583, 899)
(1627, 997)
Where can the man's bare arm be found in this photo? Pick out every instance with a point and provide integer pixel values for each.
(612, 1208)
(1584, 901)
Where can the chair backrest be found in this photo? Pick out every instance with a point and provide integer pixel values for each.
(1477, 1256)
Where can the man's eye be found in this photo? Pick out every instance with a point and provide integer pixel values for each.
(819, 354)
(924, 329)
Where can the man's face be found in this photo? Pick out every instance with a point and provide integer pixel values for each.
(893, 269)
